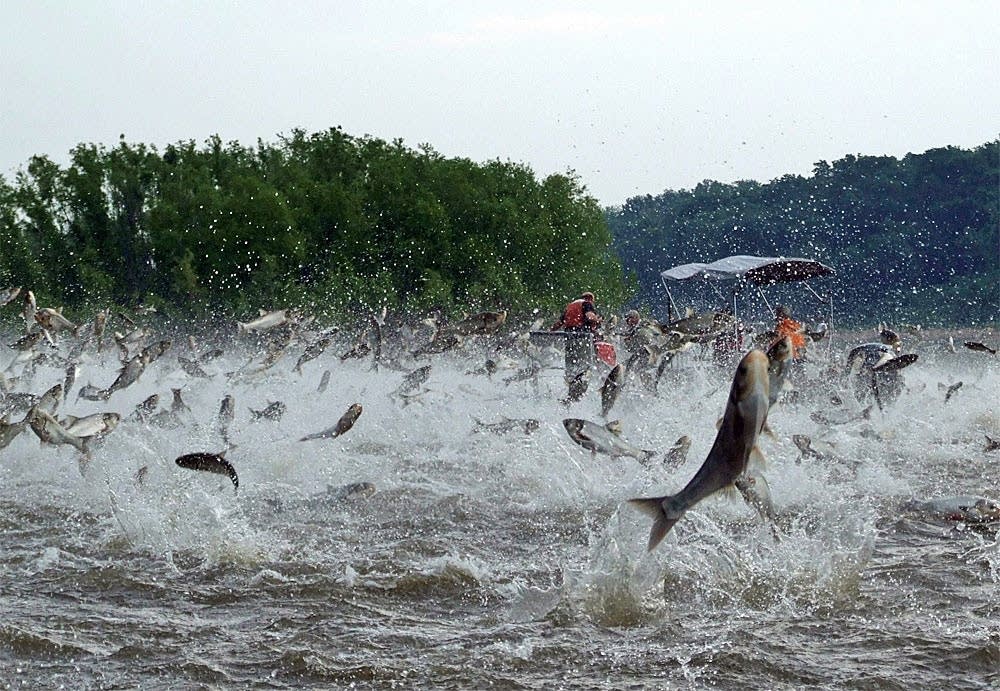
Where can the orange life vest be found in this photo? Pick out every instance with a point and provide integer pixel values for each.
(573, 315)
(791, 328)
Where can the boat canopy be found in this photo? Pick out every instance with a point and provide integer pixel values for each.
(757, 270)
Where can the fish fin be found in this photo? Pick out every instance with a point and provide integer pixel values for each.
(647, 456)
(718, 423)
(757, 456)
(766, 429)
(662, 524)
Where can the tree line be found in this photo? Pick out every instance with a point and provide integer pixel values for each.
(337, 224)
(914, 239)
(324, 221)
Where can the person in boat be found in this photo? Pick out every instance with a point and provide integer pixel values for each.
(579, 315)
(786, 326)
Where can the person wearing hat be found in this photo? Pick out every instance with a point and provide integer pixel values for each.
(579, 315)
(786, 326)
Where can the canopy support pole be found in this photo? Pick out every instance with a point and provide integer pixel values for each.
(670, 303)
(764, 298)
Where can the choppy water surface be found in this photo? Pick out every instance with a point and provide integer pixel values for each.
(483, 559)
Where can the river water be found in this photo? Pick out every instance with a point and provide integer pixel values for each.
(497, 560)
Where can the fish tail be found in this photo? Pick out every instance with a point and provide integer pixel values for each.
(662, 523)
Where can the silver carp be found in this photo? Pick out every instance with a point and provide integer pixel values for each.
(736, 440)
(210, 463)
(603, 439)
(345, 423)
(266, 320)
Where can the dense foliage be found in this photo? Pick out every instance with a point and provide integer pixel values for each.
(916, 239)
(323, 220)
(338, 224)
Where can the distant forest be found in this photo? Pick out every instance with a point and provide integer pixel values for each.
(328, 222)
(339, 224)
(916, 239)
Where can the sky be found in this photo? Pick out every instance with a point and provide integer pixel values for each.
(634, 97)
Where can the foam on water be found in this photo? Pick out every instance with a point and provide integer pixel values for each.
(521, 541)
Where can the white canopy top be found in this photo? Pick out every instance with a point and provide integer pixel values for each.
(758, 270)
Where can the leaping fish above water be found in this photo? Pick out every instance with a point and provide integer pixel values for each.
(611, 388)
(345, 423)
(9, 431)
(266, 320)
(312, 352)
(8, 294)
(227, 411)
(726, 464)
(210, 463)
(50, 431)
(603, 439)
(273, 411)
(980, 347)
(506, 425)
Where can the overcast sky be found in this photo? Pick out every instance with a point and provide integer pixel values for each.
(636, 97)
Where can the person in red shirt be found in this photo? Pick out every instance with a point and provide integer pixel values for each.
(579, 315)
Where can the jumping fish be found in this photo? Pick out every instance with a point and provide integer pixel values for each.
(736, 440)
(177, 405)
(100, 321)
(227, 411)
(10, 430)
(312, 352)
(273, 411)
(677, 454)
(51, 432)
(50, 400)
(980, 347)
(145, 409)
(577, 386)
(128, 374)
(345, 423)
(30, 307)
(210, 463)
(949, 391)
(192, 368)
(603, 439)
(52, 321)
(506, 425)
(611, 387)
(324, 381)
(413, 380)
(91, 425)
(266, 320)
(8, 294)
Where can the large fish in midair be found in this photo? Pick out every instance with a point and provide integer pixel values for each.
(736, 440)
(51, 432)
(210, 463)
